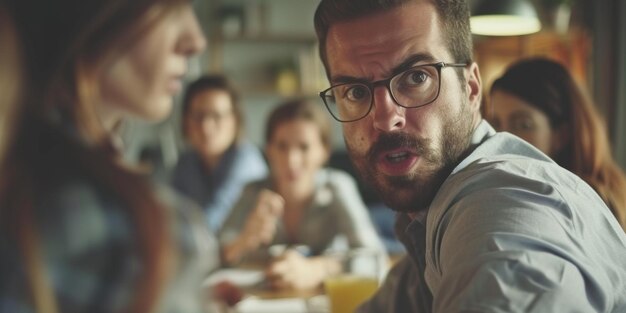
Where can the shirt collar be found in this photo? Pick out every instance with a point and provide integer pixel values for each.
(481, 133)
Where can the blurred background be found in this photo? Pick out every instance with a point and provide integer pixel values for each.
(268, 49)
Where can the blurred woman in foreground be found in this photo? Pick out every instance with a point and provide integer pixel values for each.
(302, 204)
(539, 101)
(82, 231)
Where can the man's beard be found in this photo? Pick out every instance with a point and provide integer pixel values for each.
(416, 190)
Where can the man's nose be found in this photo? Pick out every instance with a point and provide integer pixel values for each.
(386, 113)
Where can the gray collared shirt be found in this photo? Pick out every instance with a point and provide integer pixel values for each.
(511, 231)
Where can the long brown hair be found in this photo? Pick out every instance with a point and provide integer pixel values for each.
(66, 44)
(549, 87)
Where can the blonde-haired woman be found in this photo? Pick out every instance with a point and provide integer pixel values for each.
(82, 231)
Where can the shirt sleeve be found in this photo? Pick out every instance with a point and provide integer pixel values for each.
(515, 253)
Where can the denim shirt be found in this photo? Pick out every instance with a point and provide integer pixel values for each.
(89, 250)
(217, 192)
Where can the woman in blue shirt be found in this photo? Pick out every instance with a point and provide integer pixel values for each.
(220, 162)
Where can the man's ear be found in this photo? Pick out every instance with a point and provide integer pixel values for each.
(474, 86)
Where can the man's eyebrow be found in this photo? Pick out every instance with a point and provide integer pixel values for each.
(406, 64)
(344, 79)
(410, 62)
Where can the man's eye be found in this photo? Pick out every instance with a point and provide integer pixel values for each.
(416, 77)
(357, 93)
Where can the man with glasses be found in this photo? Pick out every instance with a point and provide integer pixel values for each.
(490, 223)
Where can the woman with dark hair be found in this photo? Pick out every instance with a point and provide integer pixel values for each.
(300, 204)
(538, 100)
(81, 231)
(221, 161)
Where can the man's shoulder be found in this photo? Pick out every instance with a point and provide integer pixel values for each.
(503, 146)
(506, 160)
(522, 189)
(510, 175)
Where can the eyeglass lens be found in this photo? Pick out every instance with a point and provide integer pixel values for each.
(414, 87)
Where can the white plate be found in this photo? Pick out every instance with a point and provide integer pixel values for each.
(238, 277)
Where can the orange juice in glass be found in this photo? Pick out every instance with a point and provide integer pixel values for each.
(361, 270)
(346, 292)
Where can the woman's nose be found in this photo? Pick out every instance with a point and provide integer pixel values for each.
(294, 159)
(192, 39)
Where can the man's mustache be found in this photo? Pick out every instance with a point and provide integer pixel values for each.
(394, 140)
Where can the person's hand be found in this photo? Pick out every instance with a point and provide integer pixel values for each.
(293, 270)
(260, 227)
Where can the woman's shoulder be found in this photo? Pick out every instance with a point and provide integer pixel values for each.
(337, 187)
(82, 231)
(244, 160)
(78, 212)
(72, 190)
(247, 151)
(336, 178)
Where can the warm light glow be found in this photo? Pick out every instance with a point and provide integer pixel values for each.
(504, 25)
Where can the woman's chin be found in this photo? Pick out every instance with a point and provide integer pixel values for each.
(156, 111)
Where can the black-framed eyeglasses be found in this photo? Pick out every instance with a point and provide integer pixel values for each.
(415, 87)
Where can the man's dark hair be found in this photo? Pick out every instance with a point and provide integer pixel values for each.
(453, 16)
(213, 82)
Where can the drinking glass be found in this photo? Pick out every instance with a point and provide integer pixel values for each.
(359, 280)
